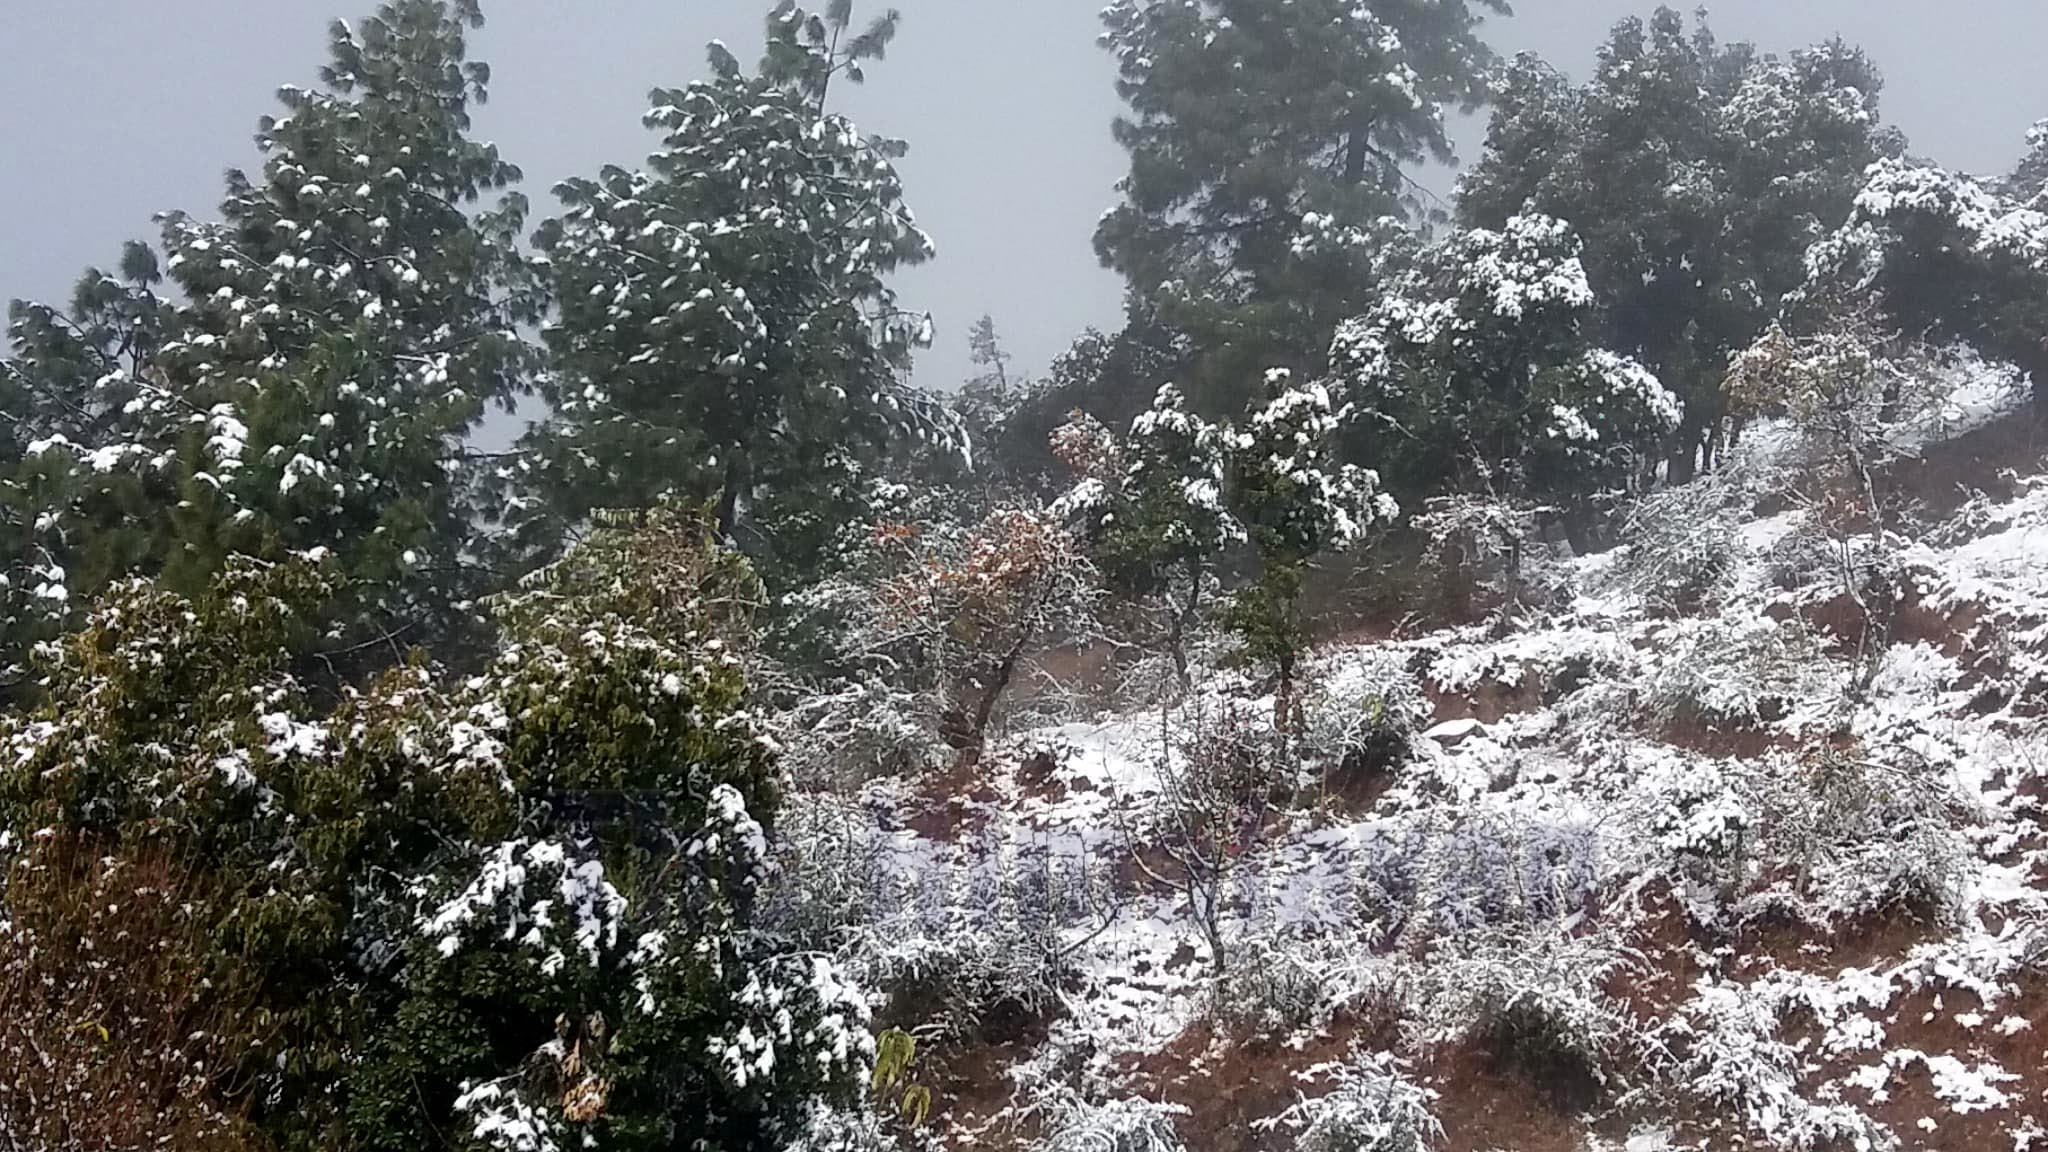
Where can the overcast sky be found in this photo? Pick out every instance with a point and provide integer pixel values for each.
(116, 109)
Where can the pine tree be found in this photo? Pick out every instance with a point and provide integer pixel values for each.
(342, 328)
(1697, 174)
(726, 332)
(1268, 144)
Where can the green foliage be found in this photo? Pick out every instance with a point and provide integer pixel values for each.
(726, 330)
(342, 328)
(1697, 174)
(1267, 146)
(1295, 503)
(1479, 373)
(512, 903)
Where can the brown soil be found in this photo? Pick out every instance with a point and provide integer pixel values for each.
(1486, 1108)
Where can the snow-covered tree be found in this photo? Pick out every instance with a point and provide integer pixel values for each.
(505, 911)
(342, 328)
(726, 331)
(1943, 256)
(1696, 174)
(1296, 502)
(1151, 509)
(1267, 147)
(1481, 372)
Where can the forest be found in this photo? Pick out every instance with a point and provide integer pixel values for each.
(1559, 668)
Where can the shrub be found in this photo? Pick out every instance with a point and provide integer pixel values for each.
(1739, 670)
(1115, 1126)
(1273, 988)
(1359, 715)
(990, 965)
(512, 906)
(1683, 544)
(1372, 1106)
(1534, 1002)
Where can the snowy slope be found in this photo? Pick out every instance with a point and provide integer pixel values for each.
(1757, 874)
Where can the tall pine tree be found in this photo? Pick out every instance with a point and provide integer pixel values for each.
(342, 328)
(1267, 146)
(726, 330)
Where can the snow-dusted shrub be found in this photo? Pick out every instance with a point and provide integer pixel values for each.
(1702, 820)
(530, 890)
(828, 878)
(989, 963)
(1730, 1054)
(1494, 870)
(1360, 712)
(1802, 556)
(1534, 1001)
(1219, 782)
(863, 730)
(1274, 987)
(1372, 1106)
(1683, 545)
(1856, 835)
(1125, 1125)
(1738, 669)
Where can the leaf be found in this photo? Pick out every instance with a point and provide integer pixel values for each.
(840, 13)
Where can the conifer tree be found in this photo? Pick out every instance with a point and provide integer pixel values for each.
(726, 331)
(338, 333)
(1267, 146)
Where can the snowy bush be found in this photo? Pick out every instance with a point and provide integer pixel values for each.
(1856, 836)
(1535, 1002)
(990, 962)
(828, 880)
(1739, 669)
(1730, 1056)
(1372, 1106)
(1274, 988)
(1125, 1125)
(1492, 870)
(1682, 544)
(862, 730)
(1359, 714)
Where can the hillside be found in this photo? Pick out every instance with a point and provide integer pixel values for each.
(1736, 841)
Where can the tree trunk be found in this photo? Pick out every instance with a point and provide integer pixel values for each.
(729, 497)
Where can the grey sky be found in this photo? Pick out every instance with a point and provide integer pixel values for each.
(117, 109)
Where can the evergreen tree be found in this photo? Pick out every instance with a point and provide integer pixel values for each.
(726, 331)
(1295, 502)
(1151, 509)
(508, 911)
(1267, 145)
(1696, 173)
(1943, 257)
(1479, 373)
(342, 328)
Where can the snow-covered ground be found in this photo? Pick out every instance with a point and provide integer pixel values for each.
(1787, 880)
